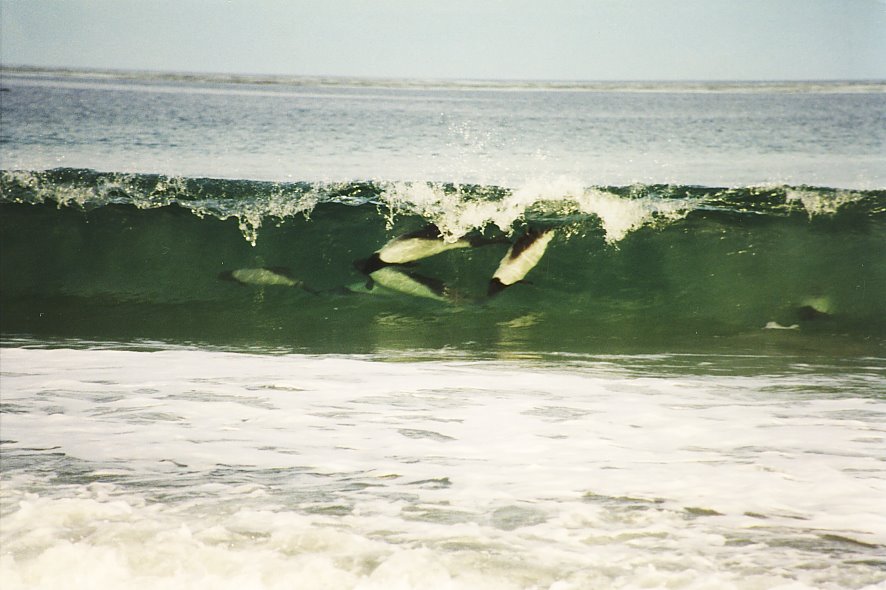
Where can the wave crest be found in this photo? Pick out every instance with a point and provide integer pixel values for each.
(456, 209)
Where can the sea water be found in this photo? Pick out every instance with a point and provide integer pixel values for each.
(687, 392)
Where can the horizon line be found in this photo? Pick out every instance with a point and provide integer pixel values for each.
(424, 82)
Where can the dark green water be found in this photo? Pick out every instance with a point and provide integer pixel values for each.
(98, 256)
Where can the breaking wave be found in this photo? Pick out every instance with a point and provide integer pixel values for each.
(89, 253)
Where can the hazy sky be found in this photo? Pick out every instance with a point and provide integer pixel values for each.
(504, 39)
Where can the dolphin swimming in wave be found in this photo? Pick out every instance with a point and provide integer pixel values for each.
(520, 259)
(408, 283)
(266, 276)
(416, 245)
(386, 267)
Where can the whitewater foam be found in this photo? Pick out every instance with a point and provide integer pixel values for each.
(457, 209)
(185, 468)
(457, 212)
(816, 202)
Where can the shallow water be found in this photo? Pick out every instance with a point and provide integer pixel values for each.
(185, 468)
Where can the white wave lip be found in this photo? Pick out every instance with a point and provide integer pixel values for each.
(280, 202)
(184, 469)
(455, 209)
(456, 215)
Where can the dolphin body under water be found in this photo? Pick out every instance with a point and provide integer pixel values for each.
(382, 267)
(520, 259)
(414, 246)
(266, 276)
(408, 283)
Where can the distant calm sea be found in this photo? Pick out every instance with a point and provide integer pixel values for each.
(200, 389)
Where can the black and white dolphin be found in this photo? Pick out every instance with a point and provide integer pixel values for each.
(407, 283)
(265, 276)
(522, 257)
(384, 267)
(414, 246)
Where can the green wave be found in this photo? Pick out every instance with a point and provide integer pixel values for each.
(641, 268)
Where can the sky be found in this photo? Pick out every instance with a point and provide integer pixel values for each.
(457, 39)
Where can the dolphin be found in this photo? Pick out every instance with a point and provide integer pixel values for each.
(414, 246)
(408, 283)
(522, 257)
(279, 276)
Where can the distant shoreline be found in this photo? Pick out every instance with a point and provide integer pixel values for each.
(707, 86)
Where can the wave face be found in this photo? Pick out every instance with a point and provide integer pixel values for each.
(645, 268)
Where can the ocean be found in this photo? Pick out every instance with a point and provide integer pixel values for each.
(269, 332)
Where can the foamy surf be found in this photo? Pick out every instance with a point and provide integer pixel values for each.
(185, 468)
